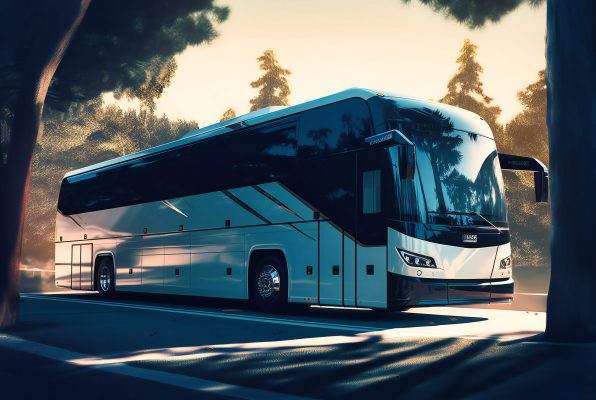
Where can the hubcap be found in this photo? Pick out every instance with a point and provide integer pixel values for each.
(104, 280)
(268, 282)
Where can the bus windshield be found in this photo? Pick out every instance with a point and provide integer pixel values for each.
(458, 179)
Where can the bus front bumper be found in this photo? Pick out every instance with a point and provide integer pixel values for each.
(405, 291)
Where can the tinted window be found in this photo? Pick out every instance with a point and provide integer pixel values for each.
(457, 172)
(334, 128)
(371, 192)
(329, 184)
(259, 155)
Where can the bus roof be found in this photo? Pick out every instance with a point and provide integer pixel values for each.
(245, 120)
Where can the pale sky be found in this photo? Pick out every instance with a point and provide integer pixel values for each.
(332, 45)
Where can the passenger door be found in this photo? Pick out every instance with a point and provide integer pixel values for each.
(333, 181)
(374, 178)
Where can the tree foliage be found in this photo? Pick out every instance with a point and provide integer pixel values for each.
(228, 114)
(158, 76)
(84, 134)
(527, 132)
(465, 89)
(119, 45)
(274, 88)
(475, 13)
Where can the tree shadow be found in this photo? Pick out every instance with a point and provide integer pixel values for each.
(28, 326)
(411, 368)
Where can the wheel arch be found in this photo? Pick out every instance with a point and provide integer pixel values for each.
(99, 256)
(256, 253)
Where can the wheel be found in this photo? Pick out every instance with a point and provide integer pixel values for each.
(105, 277)
(269, 284)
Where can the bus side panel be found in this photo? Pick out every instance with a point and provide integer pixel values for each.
(152, 264)
(128, 264)
(299, 244)
(176, 269)
(218, 266)
(371, 276)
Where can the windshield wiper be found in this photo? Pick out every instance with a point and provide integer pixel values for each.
(459, 221)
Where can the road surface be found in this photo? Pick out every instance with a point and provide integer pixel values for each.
(78, 345)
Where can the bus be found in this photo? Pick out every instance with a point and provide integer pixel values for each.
(357, 199)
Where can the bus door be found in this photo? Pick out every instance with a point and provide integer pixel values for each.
(332, 180)
(374, 176)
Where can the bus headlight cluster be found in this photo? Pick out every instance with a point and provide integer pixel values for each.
(505, 263)
(416, 260)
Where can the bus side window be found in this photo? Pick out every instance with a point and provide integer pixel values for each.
(334, 128)
(371, 192)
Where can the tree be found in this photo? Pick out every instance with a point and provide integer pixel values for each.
(571, 88)
(228, 114)
(474, 13)
(158, 76)
(527, 132)
(465, 89)
(571, 93)
(111, 51)
(274, 88)
(84, 134)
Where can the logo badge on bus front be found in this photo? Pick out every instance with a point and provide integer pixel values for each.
(469, 238)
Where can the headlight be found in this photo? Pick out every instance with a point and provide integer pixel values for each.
(416, 260)
(505, 263)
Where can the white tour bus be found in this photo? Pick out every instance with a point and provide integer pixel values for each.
(359, 199)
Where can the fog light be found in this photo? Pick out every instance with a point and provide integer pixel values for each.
(416, 260)
(505, 263)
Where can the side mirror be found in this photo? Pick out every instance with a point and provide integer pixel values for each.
(521, 163)
(541, 186)
(406, 150)
(406, 154)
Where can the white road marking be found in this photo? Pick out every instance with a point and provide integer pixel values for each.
(253, 318)
(168, 378)
(498, 325)
(531, 294)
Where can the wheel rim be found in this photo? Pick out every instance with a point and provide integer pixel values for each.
(104, 279)
(268, 282)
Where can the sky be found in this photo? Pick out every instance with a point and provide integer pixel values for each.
(332, 45)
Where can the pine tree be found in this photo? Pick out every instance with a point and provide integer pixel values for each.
(527, 132)
(274, 89)
(465, 90)
(228, 114)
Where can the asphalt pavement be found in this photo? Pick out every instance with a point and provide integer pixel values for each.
(79, 345)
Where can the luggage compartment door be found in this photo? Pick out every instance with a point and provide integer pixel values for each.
(81, 267)
(330, 265)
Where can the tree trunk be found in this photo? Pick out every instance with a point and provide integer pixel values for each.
(571, 60)
(39, 65)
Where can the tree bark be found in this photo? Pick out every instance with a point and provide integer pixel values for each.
(571, 60)
(40, 63)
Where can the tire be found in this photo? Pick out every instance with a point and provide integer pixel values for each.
(105, 277)
(269, 284)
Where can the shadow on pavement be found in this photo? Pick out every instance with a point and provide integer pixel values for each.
(402, 368)
(328, 314)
